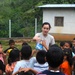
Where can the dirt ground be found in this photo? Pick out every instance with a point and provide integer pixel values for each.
(63, 37)
(58, 37)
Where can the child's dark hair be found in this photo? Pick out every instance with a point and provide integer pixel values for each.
(24, 43)
(46, 23)
(73, 38)
(26, 52)
(62, 43)
(68, 53)
(69, 42)
(40, 57)
(54, 57)
(13, 56)
(11, 41)
(54, 45)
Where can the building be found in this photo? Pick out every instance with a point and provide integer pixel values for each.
(62, 20)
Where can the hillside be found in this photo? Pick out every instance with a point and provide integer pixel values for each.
(22, 14)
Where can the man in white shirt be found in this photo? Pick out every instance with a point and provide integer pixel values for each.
(46, 38)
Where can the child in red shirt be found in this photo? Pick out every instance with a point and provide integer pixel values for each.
(67, 62)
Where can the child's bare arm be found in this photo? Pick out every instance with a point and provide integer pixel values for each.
(30, 69)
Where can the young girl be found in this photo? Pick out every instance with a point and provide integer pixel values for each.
(67, 62)
(12, 59)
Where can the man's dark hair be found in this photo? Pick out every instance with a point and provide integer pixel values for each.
(46, 23)
(54, 57)
(26, 52)
(11, 41)
(40, 57)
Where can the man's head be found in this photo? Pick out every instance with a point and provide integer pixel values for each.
(45, 28)
(54, 57)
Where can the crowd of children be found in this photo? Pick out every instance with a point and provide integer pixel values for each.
(50, 58)
(57, 60)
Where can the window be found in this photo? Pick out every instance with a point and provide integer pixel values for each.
(59, 21)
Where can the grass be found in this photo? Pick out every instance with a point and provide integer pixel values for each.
(18, 45)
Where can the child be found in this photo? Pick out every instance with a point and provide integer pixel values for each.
(12, 59)
(24, 43)
(67, 45)
(62, 45)
(11, 46)
(2, 67)
(1, 53)
(73, 47)
(73, 66)
(41, 64)
(26, 53)
(67, 62)
(54, 58)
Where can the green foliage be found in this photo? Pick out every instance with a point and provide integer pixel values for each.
(22, 14)
(27, 31)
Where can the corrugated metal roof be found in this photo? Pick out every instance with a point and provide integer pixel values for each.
(58, 6)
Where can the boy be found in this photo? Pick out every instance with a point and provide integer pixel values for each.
(73, 47)
(41, 63)
(12, 46)
(62, 45)
(26, 52)
(54, 58)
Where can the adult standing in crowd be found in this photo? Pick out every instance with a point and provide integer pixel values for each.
(45, 39)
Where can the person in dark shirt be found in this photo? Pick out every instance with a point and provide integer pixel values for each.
(11, 46)
(54, 57)
(73, 47)
(2, 67)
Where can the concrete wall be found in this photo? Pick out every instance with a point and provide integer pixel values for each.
(69, 20)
